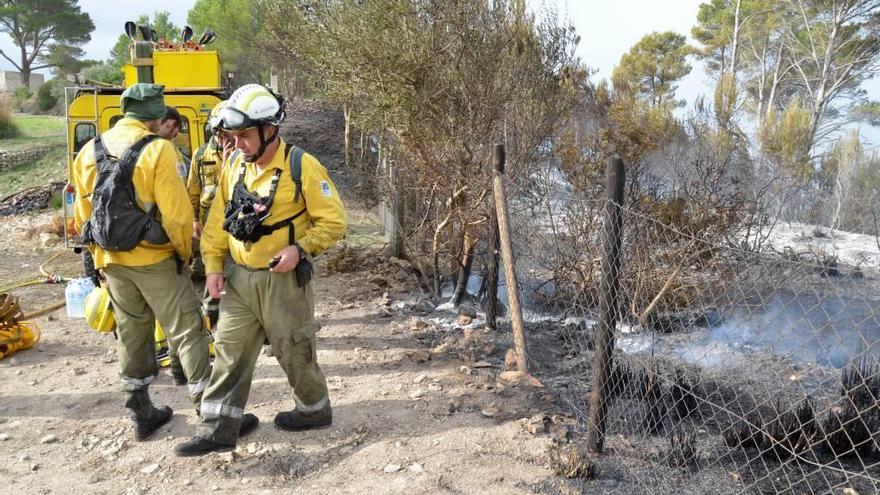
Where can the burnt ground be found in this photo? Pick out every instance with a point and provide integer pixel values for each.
(422, 400)
(410, 415)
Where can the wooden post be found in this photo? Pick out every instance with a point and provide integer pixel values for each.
(603, 358)
(491, 280)
(516, 319)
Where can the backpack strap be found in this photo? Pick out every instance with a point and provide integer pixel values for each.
(295, 156)
(130, 157)
(101, 153)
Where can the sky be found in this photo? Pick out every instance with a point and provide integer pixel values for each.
(109, 16)
(607, 30)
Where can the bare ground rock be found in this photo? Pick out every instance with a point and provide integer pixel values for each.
(422, 415)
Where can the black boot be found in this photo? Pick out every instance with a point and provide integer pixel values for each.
(249, 423)
(298, 421)
(176, 369)
(200, 446)
(147, 418)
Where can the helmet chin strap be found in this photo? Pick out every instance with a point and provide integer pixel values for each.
(263, 144)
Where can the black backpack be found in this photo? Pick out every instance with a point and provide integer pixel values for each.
(117, 222)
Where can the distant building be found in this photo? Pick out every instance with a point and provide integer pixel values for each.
(11, 80)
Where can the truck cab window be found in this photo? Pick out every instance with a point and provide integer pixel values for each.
(82, 134)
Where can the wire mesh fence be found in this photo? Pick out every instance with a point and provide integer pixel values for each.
(739, 365)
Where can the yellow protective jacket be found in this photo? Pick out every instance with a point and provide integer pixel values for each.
(204, 175)
(156, 183)
(320, 227)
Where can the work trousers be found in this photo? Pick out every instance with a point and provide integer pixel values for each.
(141, 295)
(260, 305)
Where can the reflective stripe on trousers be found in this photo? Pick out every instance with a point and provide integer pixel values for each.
(136, 383)
(217, 409)
(317, 406)
(197, 388)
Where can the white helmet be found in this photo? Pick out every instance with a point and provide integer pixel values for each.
(252, 105)
(214, 117)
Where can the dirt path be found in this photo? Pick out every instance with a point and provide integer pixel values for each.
(407, 419)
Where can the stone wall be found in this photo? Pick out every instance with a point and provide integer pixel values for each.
(9, 159)
(11, 80)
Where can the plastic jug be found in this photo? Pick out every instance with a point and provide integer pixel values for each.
(75, 296)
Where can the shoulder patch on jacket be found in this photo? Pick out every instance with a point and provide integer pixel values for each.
(325, 189)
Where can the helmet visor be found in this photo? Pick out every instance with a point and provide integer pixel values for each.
(232, 119)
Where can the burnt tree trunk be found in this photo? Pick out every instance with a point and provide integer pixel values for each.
(464, 272)
(490, 283)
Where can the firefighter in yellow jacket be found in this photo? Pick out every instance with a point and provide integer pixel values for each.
(201, 184)
(275, 207)
(142, 265)
(205, 170)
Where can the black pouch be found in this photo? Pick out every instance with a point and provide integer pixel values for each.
(244, 223)
(303, 272)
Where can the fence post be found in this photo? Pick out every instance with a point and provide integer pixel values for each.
(491, 280)
(516, 319)
(604, 343)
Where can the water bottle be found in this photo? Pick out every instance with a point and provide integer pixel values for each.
(75, 296)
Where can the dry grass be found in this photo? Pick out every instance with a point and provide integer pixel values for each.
(8, 129)
(568, 461)
(55, 226)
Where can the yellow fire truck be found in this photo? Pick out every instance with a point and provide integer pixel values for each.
(193, 85)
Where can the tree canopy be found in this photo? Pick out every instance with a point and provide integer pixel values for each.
(653, 66)
(47, 32)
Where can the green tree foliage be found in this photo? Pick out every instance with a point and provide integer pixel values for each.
(652, 67)
(816, 51)
(714, 30)
(46, 98)
(852, 176)
(785, 136)
(868, 112)
(165, 29)
(438, 82)
(46, 31)
(160, 22)
(836, 44)
(103, 72)
(241, 29)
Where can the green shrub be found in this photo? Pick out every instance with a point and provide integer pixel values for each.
(103, 72)
(21, 93)
(22, 101)
(46, 98)
(8, 129)
(56, 201)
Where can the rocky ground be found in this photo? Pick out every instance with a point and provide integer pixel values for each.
(421, 400)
